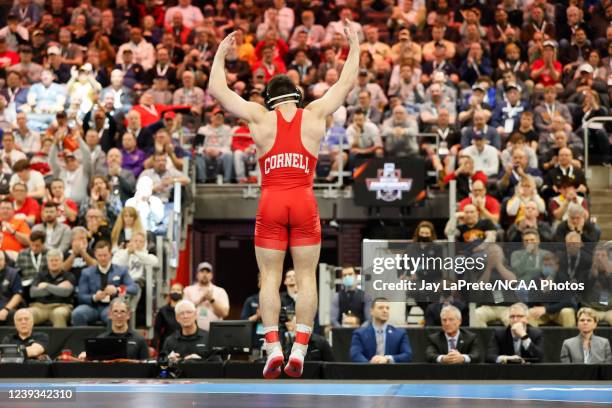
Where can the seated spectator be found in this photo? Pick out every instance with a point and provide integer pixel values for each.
(213, 144)
(472, 228)
(550, 157)
(11, 292)
(488, 207)
(318, 347)
(79, 256)
(376, 96)
(507, 115)
(484, 155)
(150, 208)
(453, 345)
(190, 342)
(33, 343)
(547, 141)
(480, 128)
(365, 104)
(512, 174)
(244, 152)
(527, 130)
(26, 140)
(122, 96)
(516, 342)
(561, 312)
(51, 291)
(268, 63)
(162, 143)
(406, 85)
(75, 175)
(600, 286)
(9, 154)
(547, 71)
(128, 223)
(67, 209)
(98, 156)
(399, 133)
(163, 178)
(211, 300)
(381, 52)
(527, 263)
(22, 172)
(448, 142)
(576, 222)
(27, 69)
(119, 315)
(97, 227)
(524, 194)
(121, 182)
(165, 320)
(250, 308)
(15, 231)
(548, 109)
(364, 137)
(465, 175)
(349, 300)
(430, 110)
(33, 260)
(566, 199)
(379, 342)
(102, 199)
(476, 64)
(98, 285)
(574, 262)
(45, 99)
(517, 141)
(133, 157)
(438, 49)
(475, 103)
(405, 45)
(189, 95)
(586, 348)
(26, 208)
(82, 88)
(315, 32)
(564, 169)
(530, 220)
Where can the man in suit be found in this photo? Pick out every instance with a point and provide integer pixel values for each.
(586, 348)
(379, 342)
(98, 285)
(453, 345)
(516, 342)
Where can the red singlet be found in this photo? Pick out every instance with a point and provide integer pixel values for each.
(287, 212)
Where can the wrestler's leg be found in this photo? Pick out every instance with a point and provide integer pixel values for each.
(305, 261)
(270, 262)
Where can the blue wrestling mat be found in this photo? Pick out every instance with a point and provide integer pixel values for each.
(94, 393)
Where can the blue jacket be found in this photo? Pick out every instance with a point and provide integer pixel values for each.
(397, 345)
(89, 282)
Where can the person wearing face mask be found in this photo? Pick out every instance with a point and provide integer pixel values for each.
(562, 313)
(165, 321)
(349, 300)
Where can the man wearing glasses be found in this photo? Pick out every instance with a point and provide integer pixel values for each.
(189, 342)
(517, 343)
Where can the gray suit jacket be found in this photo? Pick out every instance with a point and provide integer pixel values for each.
(571, 351)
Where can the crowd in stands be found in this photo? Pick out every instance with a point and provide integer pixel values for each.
(102, 102)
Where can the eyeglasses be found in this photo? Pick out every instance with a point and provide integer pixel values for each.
(516, 316)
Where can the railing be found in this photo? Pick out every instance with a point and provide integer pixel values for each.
(585, 128)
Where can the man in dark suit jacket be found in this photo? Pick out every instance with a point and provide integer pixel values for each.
(379, 342)
(516, 342)
(98, 285)
(453, 345)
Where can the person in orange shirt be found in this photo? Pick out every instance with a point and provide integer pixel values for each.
(15, 234)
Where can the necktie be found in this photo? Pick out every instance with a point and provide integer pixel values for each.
(517, 346)
(452, 344)
(380, 343)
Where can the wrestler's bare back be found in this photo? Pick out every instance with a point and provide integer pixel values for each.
(264, 130)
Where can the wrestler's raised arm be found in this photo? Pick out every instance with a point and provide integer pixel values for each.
(230, 100)
(336, 95)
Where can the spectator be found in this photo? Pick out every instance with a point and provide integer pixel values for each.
(379, 342)
(472, 228)
(75, 175)
(100, 284)
(133, 157)
(33, 260)
(507, 115)
(162, 143)
(576, 222)
(481, 128)
(143, 51)
(524, 194)
(250, 308)
(512, 174)
(26, 140)
(315, 32)
(214, 145)
(165, 320)
(488, 207)
(318, 348)
(128, 223)
(79, 256)
(163, 178)
(121, 182)
(527, 263)
(245, 153)
(150, 208)
(52, 291)
(380, 51)
(271, 66)
(349, 300)
(599, 285)
(189, 94)
(484, 155)
(377, 98)
(67, 209)
(550, 155)
(122, 96)
(34, 344)
(364, 103)
(453, 345)
(465, 174)
(518, 341)
(517, 140)
(97, 227)
(26, 208)
(430, 110)
(15, 231)
(548, 109)
(546, 71)
(474, 104)
(102, 199)
(9, 155)
(364, 137)
(564, 169)
(567, 198)
(191, 341)
(475, 65)
(210, 300)
(119, 315)
(399, 133)
(586, 348)
(530, 220)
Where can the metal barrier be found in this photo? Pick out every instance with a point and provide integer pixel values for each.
(585, 129)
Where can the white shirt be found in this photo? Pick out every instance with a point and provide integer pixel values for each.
(192, 15)
(144, 53)
(486, 161)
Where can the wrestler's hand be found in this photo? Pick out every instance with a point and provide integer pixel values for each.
(227, 43)
(351, 34)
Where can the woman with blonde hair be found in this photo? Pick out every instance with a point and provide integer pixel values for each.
(525, 192)
(128, 223)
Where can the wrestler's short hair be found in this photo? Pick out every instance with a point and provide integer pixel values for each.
(278, 86)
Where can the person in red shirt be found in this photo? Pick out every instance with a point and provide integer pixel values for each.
(244, 150)
(15, 232)
(269, 64)
(67, 210)
(26, 208)
(150, 112)
(487, 206)
(547, 71)
(7, 57)
(465, 176)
